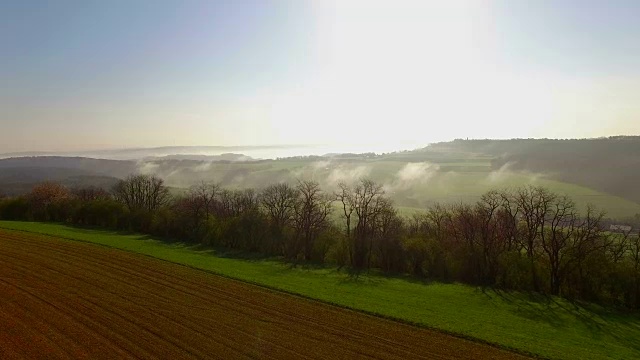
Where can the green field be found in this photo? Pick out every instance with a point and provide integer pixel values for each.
(469, 187)
(548, 327)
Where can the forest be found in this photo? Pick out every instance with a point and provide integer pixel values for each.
(526, 239)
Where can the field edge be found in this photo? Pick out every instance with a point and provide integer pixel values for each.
(296, 294)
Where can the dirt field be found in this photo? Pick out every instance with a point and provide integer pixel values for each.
(64, 299)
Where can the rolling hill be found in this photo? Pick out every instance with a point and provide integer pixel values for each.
(604, 172)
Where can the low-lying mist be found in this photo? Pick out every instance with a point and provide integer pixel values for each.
(409, 184)
(447, 172)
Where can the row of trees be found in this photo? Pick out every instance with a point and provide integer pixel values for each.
(526, 239)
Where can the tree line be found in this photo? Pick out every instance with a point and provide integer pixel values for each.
(526, 239)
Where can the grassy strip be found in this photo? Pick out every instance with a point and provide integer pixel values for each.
(548, 327)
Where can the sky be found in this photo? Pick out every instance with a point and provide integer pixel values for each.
(392, 75)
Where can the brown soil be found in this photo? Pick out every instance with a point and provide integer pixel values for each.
(61, 299)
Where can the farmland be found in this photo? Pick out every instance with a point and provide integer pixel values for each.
(64, 299)
(547, 326)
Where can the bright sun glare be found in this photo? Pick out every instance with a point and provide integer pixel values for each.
(422, 65)
(367, 74)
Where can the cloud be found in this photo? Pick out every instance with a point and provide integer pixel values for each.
(413, 174)
(148, 168)
(320, 165)
(205, 166)
(347, 174)
(500, 174)
(505, 173)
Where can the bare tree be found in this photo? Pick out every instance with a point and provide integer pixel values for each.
(141, 192)
(634, 251)
(559, 227)
(391, 230)
(436, 217)
(464, 228)
(345, 198)
(44, 196)
(279, 200)
(311, 212)
(366, 201)
(192, 208)
(508, 219)
(589, 238)
(534, 204)
(223, 207)
(487, 210)
(91, 193)
(205, 193)
(48, 192)
(244, 200)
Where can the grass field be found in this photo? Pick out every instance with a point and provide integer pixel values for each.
(470, 186)
(65, 299)
(548, 327)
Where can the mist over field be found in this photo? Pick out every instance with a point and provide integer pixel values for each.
(449, 172)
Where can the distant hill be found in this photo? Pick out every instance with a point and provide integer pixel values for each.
(610, 165)
(115, 168)
(221, 157)
(20, 180)
(165, 151)
(19, 175)
(605, 172)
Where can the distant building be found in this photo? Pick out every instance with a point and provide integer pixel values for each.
(620, 228)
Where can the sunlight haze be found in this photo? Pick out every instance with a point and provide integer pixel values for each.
(378, 75)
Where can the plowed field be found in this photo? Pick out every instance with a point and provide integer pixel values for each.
(65, 299)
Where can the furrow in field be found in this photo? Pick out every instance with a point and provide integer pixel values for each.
(85, 300)
(109, 306)
(358, 336)
(284, 327)
(346, 334)
(173, 307)
(343, 336)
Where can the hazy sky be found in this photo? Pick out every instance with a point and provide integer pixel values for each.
(399, 74)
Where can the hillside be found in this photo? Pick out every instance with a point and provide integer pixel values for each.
(20, 180)
(610, 165)
(604, 172)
